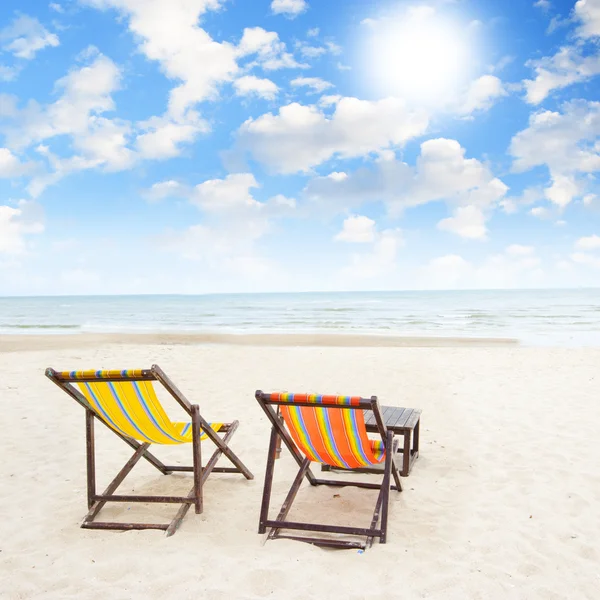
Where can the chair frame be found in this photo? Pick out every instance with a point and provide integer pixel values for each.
(278, 433)
(97, 501)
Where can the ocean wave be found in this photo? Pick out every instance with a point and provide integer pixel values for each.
(526, 315)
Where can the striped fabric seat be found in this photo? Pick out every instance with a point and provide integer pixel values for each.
(132, 408)
(329, 435)
(321, 399)
(102, 374)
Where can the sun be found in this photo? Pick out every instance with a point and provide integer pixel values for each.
(419, 56)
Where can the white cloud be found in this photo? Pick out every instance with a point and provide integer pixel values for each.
(516, 267)
(520, 250)
(528, 196)
(357, 229)
(26, 36)
(231, 193)
(282, 201)
(562, 190)
(329, 100)
(165, 189)
(333, 48)
(300, 137)
(572, 63)
(97, 141)
(543, 4)
(588, 14)
(566, 67)
(233, 222)
(10, 165)
(481, 94)
(501, 64)
(289, 8)
(105, 144)
(86, 92)
(467, 222)
(56, 7)
(441, 173)
(446, 272)
(584, 258)
(541, 212)
(168, 32)
(256, 40)
(565, 143)
(163, 137)
(250, 85)
(224, 248)
(9, 73)
(16, 223)
(560, 140)
(310, 51)
(231, 197)
(449, 261)
(269, 51)
(378, 261)
(316, 84)
(591, 242)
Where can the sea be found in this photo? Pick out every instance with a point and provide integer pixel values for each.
(534, 317)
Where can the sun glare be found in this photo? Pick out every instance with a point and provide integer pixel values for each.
(419, 56)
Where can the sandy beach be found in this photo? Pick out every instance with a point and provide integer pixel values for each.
(502, 503)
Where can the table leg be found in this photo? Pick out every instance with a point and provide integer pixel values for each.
(406, 455)
(416, 438)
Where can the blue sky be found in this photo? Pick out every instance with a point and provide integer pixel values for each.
(192, 146)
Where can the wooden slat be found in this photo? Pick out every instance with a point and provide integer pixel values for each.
(398, 418)
(404, 418)
(384, 411)
(369, 418)
(413, 419)
(387, 413)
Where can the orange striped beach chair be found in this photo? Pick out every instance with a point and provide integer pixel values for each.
(126, 403)
(329, 430)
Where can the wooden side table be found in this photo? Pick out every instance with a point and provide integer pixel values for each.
(402, 421)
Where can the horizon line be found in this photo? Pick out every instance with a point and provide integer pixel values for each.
(273, 293)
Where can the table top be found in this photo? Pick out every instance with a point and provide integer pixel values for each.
(394, 417)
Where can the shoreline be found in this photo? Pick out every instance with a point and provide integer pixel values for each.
(29, 342)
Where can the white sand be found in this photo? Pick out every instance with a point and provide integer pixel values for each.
(503, 502)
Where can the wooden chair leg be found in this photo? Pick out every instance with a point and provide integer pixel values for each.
(291, 496)
(196, 448)
(266, 497)
(90, 457)
(385, 485)
(224, 448)
(114, 484)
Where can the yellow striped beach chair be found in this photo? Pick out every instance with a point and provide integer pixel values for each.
(329, 430)
(126, 403)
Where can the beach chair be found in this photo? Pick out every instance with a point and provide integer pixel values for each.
(328, 430)
(126, 402)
